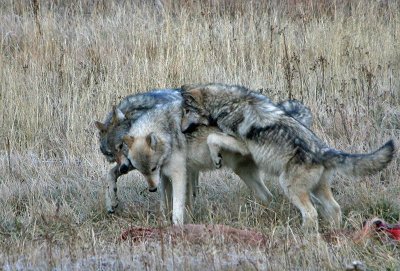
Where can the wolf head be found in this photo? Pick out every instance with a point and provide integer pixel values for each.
(130, 108)
(110, 136)
(194, 111)
(146, 154)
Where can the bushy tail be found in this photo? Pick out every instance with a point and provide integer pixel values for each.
(360, 164)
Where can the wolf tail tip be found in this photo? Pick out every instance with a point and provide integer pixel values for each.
(390, 148)
(386, 153)
(390, 145)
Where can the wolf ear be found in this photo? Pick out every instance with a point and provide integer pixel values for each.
(101, 126)
(196, 95)
(128, 140)
(118, 116)
(186, 88)
(151, 140)
(192, 92)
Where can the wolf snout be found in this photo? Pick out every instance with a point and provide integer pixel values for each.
(153, 183)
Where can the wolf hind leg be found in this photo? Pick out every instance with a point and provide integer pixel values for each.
(248, 171)
(166, 198)
(191, 187)
(193, 179)
(218, 141)
(331, 210)
(297, 187)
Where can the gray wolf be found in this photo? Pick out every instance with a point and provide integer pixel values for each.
(156, 147)
(279, 145)
(204, 142)
(115, 127)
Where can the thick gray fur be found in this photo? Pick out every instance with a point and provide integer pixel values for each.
(280, 145)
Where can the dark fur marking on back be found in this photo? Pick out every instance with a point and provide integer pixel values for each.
(255, 132)
(222, 115)
(236, 122)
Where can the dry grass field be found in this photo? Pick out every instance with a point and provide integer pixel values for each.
(63, 64)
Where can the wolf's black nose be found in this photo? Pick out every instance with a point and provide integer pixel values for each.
(123, 169)
(153, 189)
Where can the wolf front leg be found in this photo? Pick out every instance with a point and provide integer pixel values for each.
(111, 191)
(218, 141)
(178, 178)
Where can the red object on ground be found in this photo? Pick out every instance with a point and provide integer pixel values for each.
(393, 230)
(376, 226)
(395, 233)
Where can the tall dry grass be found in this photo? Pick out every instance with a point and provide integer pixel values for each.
(63, 64)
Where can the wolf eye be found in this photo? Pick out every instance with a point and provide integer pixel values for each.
(106, 152)
(153, 169)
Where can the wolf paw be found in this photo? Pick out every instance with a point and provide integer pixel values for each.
(112, 201)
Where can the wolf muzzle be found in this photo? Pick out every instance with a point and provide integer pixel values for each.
(125, 168)
(152, 185)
